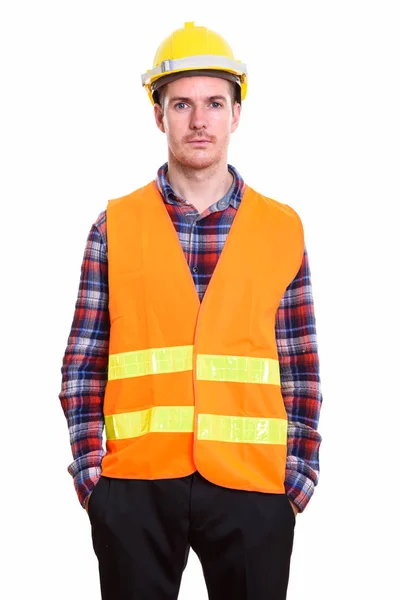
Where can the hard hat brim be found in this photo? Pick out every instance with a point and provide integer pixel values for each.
(195, 73)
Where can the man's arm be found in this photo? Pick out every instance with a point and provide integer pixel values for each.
(295, 332)
(84, 369)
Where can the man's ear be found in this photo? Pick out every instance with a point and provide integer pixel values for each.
(237, 108)
(159, 117)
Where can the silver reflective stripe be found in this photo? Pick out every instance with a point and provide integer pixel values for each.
(204, 61)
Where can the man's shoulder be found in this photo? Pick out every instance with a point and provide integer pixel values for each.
(101, 219)
(132, 196)
(273, 203)
(101, 222)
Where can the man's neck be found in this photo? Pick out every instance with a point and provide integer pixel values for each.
(200, 187)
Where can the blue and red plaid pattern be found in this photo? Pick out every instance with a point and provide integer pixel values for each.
(202, 236)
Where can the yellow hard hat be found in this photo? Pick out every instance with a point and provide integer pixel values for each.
(194, 50)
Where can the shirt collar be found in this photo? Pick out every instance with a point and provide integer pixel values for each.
(233, 196)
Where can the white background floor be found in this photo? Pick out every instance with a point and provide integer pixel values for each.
(320, 131)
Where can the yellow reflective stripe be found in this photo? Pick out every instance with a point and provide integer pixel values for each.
(253, 430)
(243, 369)
(159, 419)
(210, 367)
(150, 362)
(179, 419)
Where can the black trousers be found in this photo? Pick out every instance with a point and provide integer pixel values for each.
(142, 532)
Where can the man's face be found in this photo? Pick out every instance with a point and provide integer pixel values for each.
(198, 118)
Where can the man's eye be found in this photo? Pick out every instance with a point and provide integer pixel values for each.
(216, 104)
(180, 105)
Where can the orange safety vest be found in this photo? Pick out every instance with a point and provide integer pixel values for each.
(196, 386)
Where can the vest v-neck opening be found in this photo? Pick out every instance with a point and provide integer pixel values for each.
(228, 242)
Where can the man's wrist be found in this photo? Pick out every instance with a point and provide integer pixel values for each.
(294, 507)
(86, 502)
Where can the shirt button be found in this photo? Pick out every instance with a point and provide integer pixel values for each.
(195, 269)
(222, 204)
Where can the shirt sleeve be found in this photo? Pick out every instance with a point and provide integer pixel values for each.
(295, 332)
(84, 368)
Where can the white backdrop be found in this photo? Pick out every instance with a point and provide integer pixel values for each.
(320, 131)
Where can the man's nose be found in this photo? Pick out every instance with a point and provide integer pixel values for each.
(198, 118)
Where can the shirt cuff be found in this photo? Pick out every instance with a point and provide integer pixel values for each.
(299, 488)
(86, 471)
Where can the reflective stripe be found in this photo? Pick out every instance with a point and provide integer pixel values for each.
(210, 367)
(202, 61)
(150, 362)
(180, 419)
(252, 430)
(159, 419)
(242, 369)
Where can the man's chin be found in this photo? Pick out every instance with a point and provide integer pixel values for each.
(198, 162)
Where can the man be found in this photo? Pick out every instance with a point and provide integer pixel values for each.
(194, 343)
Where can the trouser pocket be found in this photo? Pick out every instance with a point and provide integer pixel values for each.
(98, 499)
